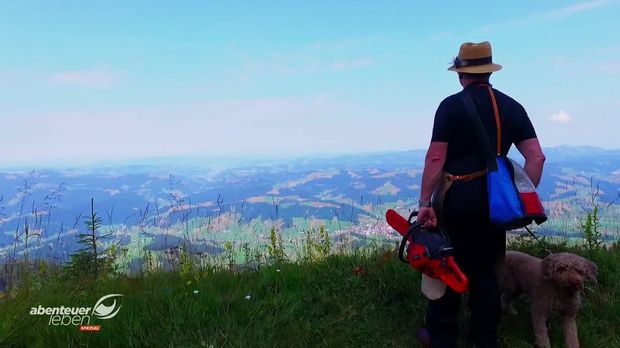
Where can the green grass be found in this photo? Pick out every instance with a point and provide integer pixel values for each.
(362, 300)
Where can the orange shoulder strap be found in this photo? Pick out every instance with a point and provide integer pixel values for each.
(498, 123)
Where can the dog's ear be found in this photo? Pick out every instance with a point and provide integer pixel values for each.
(548, 265)
(591, 271)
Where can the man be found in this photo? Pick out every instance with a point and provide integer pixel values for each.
(479, 247)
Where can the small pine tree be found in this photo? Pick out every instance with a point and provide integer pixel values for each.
(309, 247)
(148, 264)
(186, 262)
(591, 231)
(92, 257)
(325, 242)
(230, 255)
(276, 246)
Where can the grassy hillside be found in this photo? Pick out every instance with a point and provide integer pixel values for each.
(368, 299)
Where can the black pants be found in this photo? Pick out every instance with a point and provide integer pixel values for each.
(479, 251)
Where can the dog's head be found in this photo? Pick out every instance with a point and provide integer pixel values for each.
(569, 271)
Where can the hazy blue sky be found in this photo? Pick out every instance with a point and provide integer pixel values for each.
(123, 79)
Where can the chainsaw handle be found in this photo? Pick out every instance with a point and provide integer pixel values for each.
(408, 237)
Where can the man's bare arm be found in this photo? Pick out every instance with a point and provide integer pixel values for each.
(433, 165)
(534, 159)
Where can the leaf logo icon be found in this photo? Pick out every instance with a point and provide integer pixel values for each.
(106, 312)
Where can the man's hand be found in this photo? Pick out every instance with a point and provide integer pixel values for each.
(427, 216)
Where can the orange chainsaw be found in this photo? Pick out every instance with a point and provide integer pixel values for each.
(429, 252)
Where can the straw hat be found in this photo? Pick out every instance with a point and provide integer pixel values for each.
(475, 58)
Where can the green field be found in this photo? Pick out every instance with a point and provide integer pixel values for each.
(362, 299)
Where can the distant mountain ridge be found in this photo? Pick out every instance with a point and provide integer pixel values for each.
(349, 188)
(356, 160)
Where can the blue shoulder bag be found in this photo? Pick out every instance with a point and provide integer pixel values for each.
(513, 201)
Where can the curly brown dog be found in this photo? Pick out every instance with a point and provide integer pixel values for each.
(553, 284)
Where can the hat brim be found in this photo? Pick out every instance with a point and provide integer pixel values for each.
(477, 69)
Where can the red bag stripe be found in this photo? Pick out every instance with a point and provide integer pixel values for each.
(531, 203)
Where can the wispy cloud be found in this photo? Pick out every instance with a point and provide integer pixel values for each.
(561, 117)
(606, 67)
(14, 78)
(557, 61)
(351, 64)
(609, 50)
(439, 36)
(345, 44)
(85, 78)
(268, 67)
(609, 67)
(298, 65)
(312, 58)
(555, 14)
(575, 8)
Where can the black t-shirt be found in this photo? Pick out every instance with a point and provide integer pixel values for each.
(454, 126)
